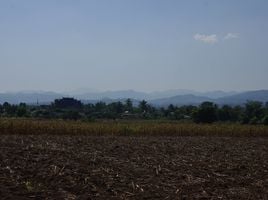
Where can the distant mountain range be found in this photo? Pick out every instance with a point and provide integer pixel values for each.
(164, 98)
(235, 99)
(30, 97)
(148, 96)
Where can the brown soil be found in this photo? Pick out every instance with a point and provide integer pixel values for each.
(124, 167)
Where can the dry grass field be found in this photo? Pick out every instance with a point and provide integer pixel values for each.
(128, 128)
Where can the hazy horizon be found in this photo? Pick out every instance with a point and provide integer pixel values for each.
(142, 45)
(92, 90)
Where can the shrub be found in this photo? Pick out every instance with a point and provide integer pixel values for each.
(265, 120)
(254, 121)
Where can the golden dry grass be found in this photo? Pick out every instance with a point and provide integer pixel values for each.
(130, 128)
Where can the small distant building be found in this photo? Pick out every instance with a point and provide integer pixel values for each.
(67, 102)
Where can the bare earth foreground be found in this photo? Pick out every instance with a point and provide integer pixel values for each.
(124, 167)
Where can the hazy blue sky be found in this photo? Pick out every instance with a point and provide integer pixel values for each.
(144, 45)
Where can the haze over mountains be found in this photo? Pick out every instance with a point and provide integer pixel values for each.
(159, 98)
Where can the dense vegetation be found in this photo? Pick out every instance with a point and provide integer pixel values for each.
(252, 112)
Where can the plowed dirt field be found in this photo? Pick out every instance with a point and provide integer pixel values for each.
(125, 167)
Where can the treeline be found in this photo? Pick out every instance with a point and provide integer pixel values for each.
(253, 112)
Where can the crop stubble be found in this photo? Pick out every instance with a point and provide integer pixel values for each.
(125, 167)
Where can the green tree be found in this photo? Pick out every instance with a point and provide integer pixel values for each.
(1, 109)
(254, 112)
(9, 109)
(100, 106)
(116, 107)
(171, 108)
(6, 106)
(129, 105)
(206, 113)
(266, 108)
(227, 113)
(143, 106)
(265, 120)
(22, 110)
